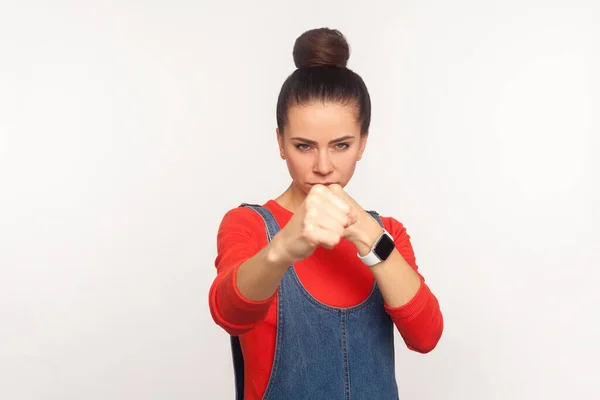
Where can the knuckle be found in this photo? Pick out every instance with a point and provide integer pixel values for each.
(312, 201)
(307, 230)
(334, 240)
(318, 189)
(312, 213)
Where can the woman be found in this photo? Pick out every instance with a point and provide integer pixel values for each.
(311, 305)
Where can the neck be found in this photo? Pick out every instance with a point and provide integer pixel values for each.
(292, 198)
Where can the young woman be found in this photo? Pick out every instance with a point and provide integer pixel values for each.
(310, 285)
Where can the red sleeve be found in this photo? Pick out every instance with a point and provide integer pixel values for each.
(419, 321)
(241, 235)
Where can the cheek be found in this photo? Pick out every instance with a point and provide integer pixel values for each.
(348, 159)
(297, 165)
(347, 164)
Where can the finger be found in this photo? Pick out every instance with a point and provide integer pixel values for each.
(318, 236)
(335, 197)
(339, 191)
(326, 208)
(345, 197)
(324, 202)
(334, 224)
(345, 215)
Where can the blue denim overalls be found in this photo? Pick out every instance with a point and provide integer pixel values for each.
(324, 352)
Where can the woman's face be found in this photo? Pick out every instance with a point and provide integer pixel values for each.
(321, 144)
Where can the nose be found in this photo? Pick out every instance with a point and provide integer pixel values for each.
(323, 164)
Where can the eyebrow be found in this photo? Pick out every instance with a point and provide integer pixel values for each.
(307, 141)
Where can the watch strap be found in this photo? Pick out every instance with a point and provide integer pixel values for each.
(371, 259)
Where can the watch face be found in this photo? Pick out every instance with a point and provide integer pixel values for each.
(384, 247)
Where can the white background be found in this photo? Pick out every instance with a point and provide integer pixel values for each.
(128, 128)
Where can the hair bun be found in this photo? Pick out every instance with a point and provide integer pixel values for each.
(321, 47)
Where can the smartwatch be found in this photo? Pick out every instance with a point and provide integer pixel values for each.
(381, 250)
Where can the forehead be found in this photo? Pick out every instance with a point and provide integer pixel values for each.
(323, 121)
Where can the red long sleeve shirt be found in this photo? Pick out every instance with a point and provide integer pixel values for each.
(334, 277)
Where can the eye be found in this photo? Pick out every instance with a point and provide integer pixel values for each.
(342, 146)
(302, 147)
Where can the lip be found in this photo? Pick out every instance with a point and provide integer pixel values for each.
(323, 183)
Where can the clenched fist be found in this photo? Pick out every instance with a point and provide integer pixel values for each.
(321, 220)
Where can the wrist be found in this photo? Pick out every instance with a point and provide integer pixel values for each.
(367, 238)
(276, 253)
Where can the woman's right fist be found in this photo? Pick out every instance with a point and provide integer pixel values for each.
(319, 221)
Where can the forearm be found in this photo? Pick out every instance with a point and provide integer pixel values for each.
(259, 277)
(396, 279)
(420, 321)
(241, 296)
(410, 303)
(408, 300)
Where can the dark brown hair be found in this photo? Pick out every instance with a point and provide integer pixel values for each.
(321, 56)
